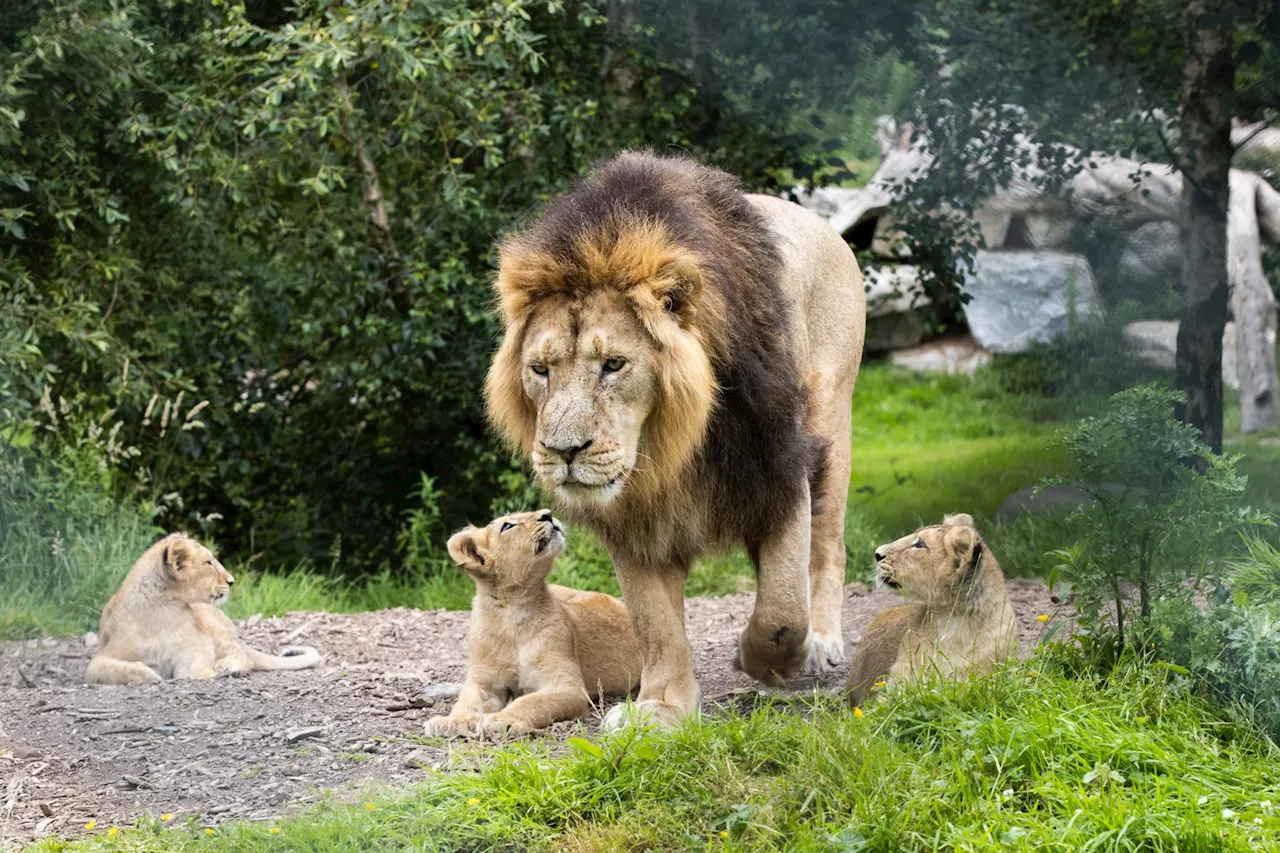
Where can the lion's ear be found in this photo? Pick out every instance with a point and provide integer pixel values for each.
(176, 555)
(960, 519)
(465, 551)
(961, 542)
(679, 288)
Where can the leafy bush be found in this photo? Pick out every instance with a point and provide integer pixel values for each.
(1165, 509)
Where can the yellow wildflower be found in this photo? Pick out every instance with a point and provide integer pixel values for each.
(208, 831)
(857, 712)
(880, 684)
(113, 832)
(1043, 617)
(166, 817)
(368, 805)
(473, 802)
(724, 834)
(275, 830)
(91, 824)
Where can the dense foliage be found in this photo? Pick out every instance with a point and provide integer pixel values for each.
(253, 239)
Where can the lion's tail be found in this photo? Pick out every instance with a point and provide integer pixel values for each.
(291, 657)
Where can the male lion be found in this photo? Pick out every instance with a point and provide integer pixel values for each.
(963, 621)
(544, 649)
(164, 622)
(678, 362)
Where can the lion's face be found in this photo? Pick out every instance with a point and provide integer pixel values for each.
(192, 569)
(592, 378)
(930, 563)
(510, 551)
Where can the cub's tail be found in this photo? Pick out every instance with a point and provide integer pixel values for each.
(290, 657)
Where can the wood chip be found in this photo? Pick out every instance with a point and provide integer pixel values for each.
(46, 810)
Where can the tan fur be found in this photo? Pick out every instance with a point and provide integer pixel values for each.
(962, 622)
(640, 294)
(164, 622)
(539, 652)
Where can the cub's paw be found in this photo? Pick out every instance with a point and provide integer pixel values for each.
(230, 669)
(771, 658)
(648, 713)
(500, 727)
(452, 727)
(826, 653)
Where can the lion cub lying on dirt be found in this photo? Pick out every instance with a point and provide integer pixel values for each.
(545, 649)
(164, 622)
(963, 622)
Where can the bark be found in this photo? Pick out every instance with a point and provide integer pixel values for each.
(1254, 307)
(1206, 141)
(376, 218)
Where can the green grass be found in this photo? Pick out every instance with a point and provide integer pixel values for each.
(1025, 759)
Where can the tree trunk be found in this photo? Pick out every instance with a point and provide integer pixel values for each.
(1253, 306)
(375, 204)
(1206, 145)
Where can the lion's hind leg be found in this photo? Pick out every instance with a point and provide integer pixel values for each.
(105, 670)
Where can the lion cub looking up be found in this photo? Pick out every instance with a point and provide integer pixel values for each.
(963, 621)
(164, 622)
(544, 649)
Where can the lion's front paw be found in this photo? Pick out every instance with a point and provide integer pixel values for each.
(501, 727)
(773, 657)
(649, 713)
(230, 669)
(452, 727)
(826, 653)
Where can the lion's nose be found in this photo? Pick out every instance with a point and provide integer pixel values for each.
(879, 556)
(546, 516)
(567, 452)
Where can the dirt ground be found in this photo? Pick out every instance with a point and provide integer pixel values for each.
(259, 747)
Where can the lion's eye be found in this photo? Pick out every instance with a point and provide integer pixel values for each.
(540, 369)
(919, 543)
(613, 365)
(506, 525)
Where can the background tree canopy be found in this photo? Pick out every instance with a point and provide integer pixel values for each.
(244, 247)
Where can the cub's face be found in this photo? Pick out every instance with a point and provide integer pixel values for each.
(930, 563)
(591, 373)
(194, 570)
(510, 551)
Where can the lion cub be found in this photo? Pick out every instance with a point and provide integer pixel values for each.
(544, 649)
(164, 622)
(963, 621)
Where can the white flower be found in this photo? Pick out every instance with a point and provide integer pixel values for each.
(1227, 814)
(1258, 821)
(1202, 801)
(1008, 792)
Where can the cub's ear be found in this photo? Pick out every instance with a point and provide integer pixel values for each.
(960, 519)
(176, 555)
(960, 541)
(465, 551)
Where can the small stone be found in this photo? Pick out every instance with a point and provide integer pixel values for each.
(295, 735)
(90, 640)
(46, 810)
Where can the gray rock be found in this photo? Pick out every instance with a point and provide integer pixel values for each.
(1021, 298)
(1152, 256)
(894, 332)
(843, 207)
(958, 354)
(1155, 342)
(1058, 498)
(892, 289)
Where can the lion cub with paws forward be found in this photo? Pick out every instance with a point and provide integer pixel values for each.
(164, 622)
(538, 652)
(963, 621)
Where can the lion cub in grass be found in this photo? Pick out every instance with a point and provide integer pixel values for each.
(538, 652)
(963, 621)
(164, 622)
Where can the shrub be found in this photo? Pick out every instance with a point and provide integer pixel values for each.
(1165, 508)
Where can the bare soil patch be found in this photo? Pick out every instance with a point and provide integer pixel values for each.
(259, 747)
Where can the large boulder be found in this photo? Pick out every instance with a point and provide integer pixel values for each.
(1022, 298)
(843, 207)
(1152, 256)
(1155, 342)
